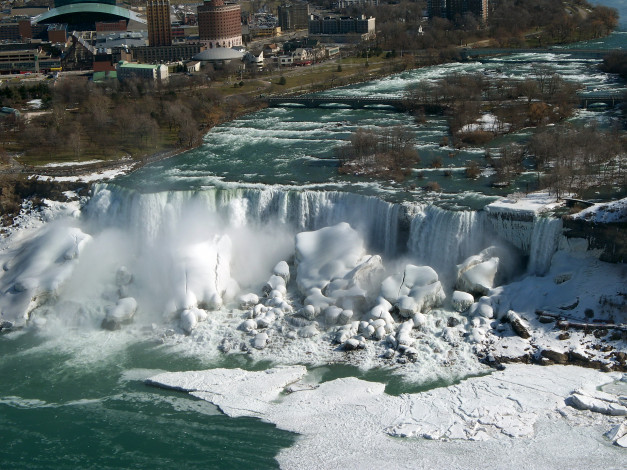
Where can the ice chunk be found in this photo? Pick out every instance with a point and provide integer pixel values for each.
(476, 274)
(326, 254)
(247, 301)
(282, 269)
(462, 301)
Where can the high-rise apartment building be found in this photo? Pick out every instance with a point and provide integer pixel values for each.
(158, 19)
(219, 24)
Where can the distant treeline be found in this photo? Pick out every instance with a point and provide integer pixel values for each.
(511, 23)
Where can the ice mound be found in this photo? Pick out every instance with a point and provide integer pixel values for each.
(417, 290)
(477, 273)
(38, 269)
(326, 254)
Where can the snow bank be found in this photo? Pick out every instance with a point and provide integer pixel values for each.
(612, 212)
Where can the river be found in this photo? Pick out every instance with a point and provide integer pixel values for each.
(72, 395)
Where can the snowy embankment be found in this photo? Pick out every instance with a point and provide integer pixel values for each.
(524, 417)
(611, 212)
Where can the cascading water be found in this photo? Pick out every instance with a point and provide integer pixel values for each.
(441, 238)
(544, 243)
(152, 214)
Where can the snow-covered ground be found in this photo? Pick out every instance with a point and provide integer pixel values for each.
(610, 212)
(101, 175)
(516, 418)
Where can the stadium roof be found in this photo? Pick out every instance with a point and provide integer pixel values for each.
(218, 54)
(82, 9)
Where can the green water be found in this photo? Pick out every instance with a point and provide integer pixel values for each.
(58, 412)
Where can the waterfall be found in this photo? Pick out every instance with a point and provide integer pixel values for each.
(441, 238)
(544, 242)
(151, 215)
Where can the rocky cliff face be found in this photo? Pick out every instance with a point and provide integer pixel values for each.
(611, 238)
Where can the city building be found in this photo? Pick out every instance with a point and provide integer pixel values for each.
(450, 9)
(293, 16)
(27, 60)
(341, 4)
(219, 56)
(341, 29)
(158, 19)
(219, 24)
(172, 53)
(106, 26)
(126, 71)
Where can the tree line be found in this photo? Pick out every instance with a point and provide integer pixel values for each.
(511, 23)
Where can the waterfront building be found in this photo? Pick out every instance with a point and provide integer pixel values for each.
(158, 19)
(219, 24)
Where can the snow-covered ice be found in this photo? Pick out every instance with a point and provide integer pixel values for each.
(519, 415)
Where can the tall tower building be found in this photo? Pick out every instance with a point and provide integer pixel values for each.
(220, 24)
(158, 18)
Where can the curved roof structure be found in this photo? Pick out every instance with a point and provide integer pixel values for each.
(218, 54)
(87, 12)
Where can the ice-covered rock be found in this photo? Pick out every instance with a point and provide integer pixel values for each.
(403, 334)
(282, 269)
(275, 283)
(482, 308)
(248, 325)
(462, 301)
(123, 276)
(122, 312)
(519, 326)
(260, 341)
(189, 320)
(417, 289)
(247, 301)
(477, 273)
(309, 331)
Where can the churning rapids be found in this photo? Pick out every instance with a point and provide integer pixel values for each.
(227, 262)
